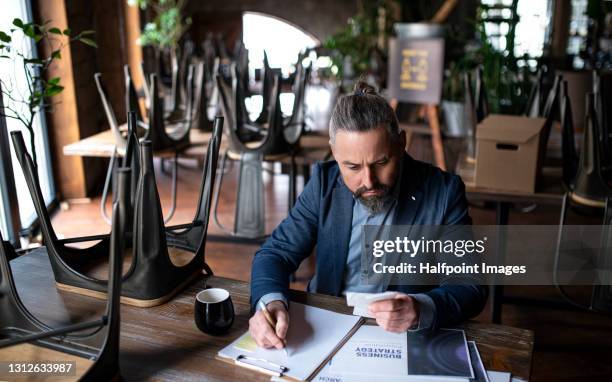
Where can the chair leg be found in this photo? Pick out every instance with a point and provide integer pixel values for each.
(436, 136)
(174, 186)
(292, 183)
(249, 218)
(107, 182)
(218, 190)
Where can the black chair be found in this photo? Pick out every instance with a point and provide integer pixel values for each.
(145, 85)
(590, 189)
(120, 133)
(100, 344)
(249, 215)
(131, 96)
(175, 136)
(601, 296)
(267, 82)
(469, 118)
(481, 101)
(602, 90)
(295, 124)
(152, 277)
(201, 99)
(535, 100)
(568, 143)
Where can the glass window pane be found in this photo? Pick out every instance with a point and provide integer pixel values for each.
(14, 80)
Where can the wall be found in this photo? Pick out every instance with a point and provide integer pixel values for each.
(319, 18)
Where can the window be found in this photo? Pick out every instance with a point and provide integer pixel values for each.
(532, 30)
(13, 74)
(579, 23)
(282, 42)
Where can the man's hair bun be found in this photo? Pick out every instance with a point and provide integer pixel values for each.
(363, 88)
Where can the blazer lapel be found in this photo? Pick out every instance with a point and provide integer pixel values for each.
(410, 197)
(342, 216)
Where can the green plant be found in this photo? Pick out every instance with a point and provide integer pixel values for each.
(506, 82)
(166, 30)
(360, 38)
(23, 106)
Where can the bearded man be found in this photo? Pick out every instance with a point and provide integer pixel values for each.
(372, 181)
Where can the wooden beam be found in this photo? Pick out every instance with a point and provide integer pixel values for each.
(62, 123)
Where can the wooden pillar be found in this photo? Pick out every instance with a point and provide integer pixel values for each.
(562, 11)
(133, 50)
(62, 123)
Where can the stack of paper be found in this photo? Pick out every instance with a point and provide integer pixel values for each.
(375, 354)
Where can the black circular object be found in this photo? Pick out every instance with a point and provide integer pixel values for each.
(214, 311)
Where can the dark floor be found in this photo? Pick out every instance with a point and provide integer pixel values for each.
(569, 345)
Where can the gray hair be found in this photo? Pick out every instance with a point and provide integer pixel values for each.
(361, 111)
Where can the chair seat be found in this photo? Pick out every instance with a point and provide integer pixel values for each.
(176, 131)
(235, 155)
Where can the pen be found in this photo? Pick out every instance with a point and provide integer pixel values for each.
(271, 321)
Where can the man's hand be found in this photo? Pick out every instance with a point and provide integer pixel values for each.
(262, 331)
(397, 314)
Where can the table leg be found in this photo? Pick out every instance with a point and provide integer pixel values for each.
(497, 291)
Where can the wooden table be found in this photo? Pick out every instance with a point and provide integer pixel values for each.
(549, 189)
(102, 145)
(549, 192)
(163, 343)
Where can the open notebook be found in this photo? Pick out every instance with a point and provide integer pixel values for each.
(314, 336)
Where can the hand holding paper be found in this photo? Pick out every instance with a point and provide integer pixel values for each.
(397, 314)
(393, 311)
(361, 301)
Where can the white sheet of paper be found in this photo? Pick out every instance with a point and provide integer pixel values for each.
(327, 375)
(480, 374)
(498, 376)
(361, 301)
(313, 334)
(373, 350)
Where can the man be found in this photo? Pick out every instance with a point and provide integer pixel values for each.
(372, 181)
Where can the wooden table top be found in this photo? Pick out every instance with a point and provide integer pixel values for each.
(314, 147)
(163, 343)
(103, 144)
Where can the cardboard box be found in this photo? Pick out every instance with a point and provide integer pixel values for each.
(508, 152)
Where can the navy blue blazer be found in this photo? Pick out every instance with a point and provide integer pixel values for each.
(322, 217)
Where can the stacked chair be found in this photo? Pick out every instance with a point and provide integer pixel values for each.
(163, 260)
(476, 108)
(94, 345)
(169, 136)
(252, 143)
(589, 188)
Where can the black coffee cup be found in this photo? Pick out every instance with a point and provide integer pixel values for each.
(214, 311)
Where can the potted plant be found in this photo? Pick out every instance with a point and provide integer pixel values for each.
(39, 89)
(164, 34)
(359, 48)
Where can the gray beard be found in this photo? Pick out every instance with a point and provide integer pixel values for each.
(374, 204)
